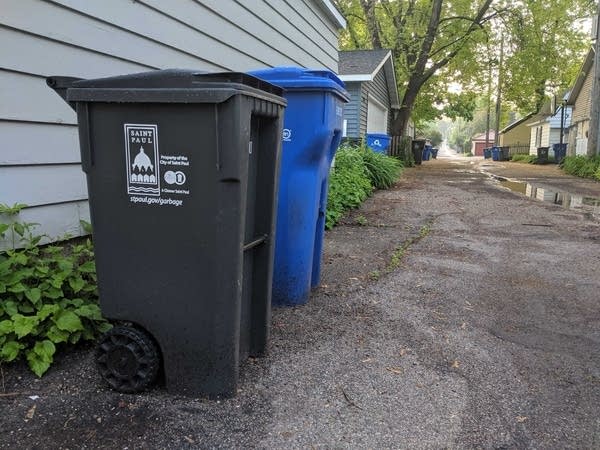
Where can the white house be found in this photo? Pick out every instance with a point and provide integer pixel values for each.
(39, 150)
(546, 127)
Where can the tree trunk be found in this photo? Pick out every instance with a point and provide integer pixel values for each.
(368, 7)
(416, 81)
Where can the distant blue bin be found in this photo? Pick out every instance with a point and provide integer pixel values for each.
(312, 131)
(427, 152)
(487, 153)
(378, 142)
(495, 153)
(560, 151)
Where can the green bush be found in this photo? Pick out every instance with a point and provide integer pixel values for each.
(357, 171)
(529, 159)
(349, 184)
(383, 170)
(48, 295)
(582, 166)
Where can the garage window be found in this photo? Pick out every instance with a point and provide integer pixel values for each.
(377, 117)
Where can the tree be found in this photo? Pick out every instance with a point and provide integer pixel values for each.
(463, 130)
(544, 49)
(427, 37)
(431, 131)
(437, 43)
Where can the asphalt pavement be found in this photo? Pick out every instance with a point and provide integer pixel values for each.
(453, 312)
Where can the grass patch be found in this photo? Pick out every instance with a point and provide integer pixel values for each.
(527, 159)
(582, 166)
(398, 254)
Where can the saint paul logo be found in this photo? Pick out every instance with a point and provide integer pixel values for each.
(141, 154)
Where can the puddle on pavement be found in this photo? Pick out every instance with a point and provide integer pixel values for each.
(566, 199)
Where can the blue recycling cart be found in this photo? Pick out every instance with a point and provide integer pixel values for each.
(495, 153)
(427, 152)
(312, 131)
(378, 142)
(560, 151)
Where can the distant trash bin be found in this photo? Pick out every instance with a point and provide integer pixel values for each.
(495, 153)
(182, 172)
(426, 152)
(417, 147)
(542, 155)
(504, 154)
(312, 132)
(560, 151)
(378, 142)
(487, 153)
(434, 152)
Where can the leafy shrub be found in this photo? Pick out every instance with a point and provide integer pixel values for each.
(357, 171)
(349, 184)
(383, 170)
(529, 159)
(582, 166)
(48, 295)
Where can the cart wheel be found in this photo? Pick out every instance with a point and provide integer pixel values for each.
(128, 359)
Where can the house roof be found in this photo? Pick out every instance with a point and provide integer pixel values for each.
(546, 115)
(481, 136)
(585, 69)
(516, 123)
(363, 65)
(362, 62)
(333, 13)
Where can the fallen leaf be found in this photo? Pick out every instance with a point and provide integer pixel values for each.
(367, 360)
(395, 370)
(30, 413)
(455, 364)
(403, 351)
(189, 439)
(521, 419)
(34, 397)
(463, 326)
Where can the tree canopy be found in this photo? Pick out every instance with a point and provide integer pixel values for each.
(446, 51)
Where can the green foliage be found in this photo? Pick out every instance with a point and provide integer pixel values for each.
(528, 159)
(361, 220)
(349, 184)
(48, 295)
(382, 170)
(582, 166)
(430, 131)
(357, 171)
(544, 49)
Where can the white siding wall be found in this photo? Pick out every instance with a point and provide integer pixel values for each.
(39, 155)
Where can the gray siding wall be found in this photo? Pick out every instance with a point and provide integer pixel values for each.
(355, 112)
(351, 110)
(378, 89)
(39, 155)
(362, 111)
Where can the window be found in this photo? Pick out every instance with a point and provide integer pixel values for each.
(377, 117)
(538, 136)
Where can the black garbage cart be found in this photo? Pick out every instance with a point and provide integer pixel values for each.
(182, 171)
